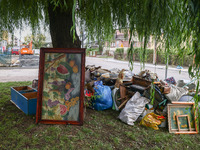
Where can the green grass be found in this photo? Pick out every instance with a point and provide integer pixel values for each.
(104, 56)
(101, 130)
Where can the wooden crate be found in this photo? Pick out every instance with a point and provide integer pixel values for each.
(139, 81)
(25, 98)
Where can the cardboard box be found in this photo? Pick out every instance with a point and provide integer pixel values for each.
(25, 98)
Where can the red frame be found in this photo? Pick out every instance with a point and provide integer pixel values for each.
(41, 78)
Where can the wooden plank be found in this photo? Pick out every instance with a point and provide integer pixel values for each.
(123, 104)
(30, 95)
(187, 132)
(177, 119)
(119, 99)
(189, 103)
(20, 88)
(122, 91)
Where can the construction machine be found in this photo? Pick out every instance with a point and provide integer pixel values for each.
(26, 49)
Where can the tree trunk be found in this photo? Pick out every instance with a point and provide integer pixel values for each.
(60, 26)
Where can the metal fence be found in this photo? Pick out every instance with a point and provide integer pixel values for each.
(10, 60)
(5, 59)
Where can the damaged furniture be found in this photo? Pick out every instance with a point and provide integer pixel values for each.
(25, 98)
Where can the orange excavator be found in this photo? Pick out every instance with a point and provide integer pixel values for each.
(26, 49)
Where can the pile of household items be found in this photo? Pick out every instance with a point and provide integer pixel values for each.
(142, 97)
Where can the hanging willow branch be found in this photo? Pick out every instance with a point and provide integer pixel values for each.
(175, 19)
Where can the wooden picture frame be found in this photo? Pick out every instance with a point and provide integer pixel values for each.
(182, 118)
(61, 86)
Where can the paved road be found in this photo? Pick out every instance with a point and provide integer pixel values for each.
(30, 73)
(18, 74)
(109, 63)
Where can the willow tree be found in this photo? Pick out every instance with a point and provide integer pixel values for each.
(58, 16)
(175, 23)
(38, 40)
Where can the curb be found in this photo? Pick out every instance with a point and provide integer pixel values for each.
(138, 64)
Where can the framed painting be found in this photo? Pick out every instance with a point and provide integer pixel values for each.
(61, 86)
(182, 118)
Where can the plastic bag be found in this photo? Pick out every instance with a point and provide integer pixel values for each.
(115, 96)
(152, 120)
(176, 93)
(102, 97)
(133, 109)
(171, 80)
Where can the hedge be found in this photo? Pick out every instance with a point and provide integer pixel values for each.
(174, 59)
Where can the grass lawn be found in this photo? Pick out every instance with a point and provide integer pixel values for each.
(101, 130)
(104, 56)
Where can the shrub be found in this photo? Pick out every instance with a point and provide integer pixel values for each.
(174, 58)
(91, 49)
(138, 52)
(119, 53)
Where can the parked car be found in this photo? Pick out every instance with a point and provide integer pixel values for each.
(15, 51)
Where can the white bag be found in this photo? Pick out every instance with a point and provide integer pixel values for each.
(176, 93)
(133, 109)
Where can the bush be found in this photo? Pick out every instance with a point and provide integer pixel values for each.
(174, 58)
(119, 53)
(91, 49)
(138, 52)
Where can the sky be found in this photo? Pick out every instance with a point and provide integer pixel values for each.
(26, 30)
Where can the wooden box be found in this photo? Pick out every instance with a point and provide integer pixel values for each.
(25, 98)
(139, 81)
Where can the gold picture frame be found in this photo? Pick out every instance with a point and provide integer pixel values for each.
(182, 118)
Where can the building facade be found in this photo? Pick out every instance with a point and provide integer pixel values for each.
(121, 40)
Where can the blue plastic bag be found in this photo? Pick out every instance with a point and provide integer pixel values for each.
(102, 97)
